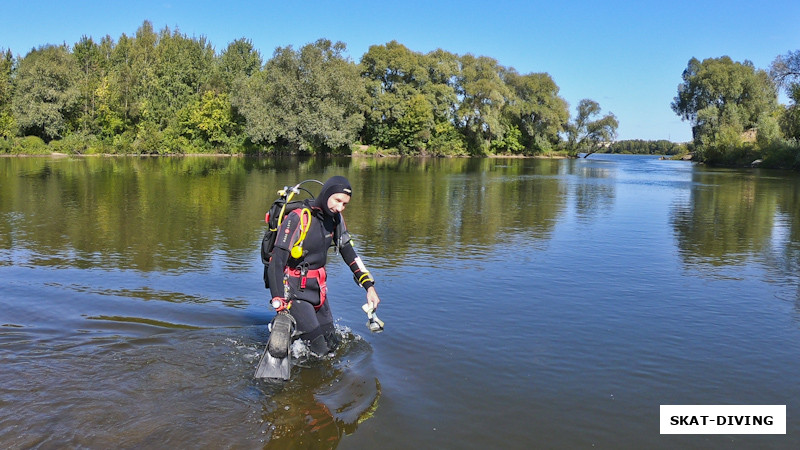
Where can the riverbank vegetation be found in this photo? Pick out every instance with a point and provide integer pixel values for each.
(167, 93)
(734, 111)
(643, 147)
(162, 92)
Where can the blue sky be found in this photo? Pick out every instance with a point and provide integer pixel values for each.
(628, 56)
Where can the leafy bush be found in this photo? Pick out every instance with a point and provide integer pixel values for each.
(30, 145)
(76, 144)
(782, 155)
(149, 140)
(447, 141)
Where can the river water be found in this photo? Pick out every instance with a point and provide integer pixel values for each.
(528, 304)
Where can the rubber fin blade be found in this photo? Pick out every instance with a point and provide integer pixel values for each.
(272, 367)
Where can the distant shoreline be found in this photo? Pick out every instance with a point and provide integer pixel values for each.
(264, 155)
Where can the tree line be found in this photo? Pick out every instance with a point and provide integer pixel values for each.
(644, 147)
(164, 92)
(735, 115)
(734, 111)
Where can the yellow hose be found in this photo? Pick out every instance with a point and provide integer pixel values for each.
(297, 249)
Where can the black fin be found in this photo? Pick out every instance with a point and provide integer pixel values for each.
(276, 360)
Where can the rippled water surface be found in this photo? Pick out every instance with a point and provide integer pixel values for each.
(528, 304)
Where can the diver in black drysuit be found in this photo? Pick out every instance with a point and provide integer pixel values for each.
(298, 285)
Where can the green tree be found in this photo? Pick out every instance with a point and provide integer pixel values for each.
(589, 132)
(401, 113)
(153, 77)
(722, 99)
(142, 61)
(132, 76)
(93, 61)
(536, 110)
(118, 98)
(511, 141)
(8, 126)
(443, 68)
(483, 94)
(310, 100)
(239, 59)
(109, 116)
(394, 76)
(182, 70)
(208, 122)
(785, 71)
(411, 95)
(413, 129)
(46, 94)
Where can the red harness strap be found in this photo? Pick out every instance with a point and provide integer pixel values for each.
(320, 274)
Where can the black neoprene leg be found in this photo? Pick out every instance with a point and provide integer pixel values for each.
(316, 326)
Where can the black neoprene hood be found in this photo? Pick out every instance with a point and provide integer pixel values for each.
(335, 185)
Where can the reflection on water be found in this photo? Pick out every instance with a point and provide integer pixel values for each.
(582, 293)
(733, 216)
(327, 399)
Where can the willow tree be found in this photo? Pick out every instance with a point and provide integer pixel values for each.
(399, 115)
(411, 98)
(536, 109)
(46, 93)
(311, 100)
(589, 131)
(483, 94)
(723, 99)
